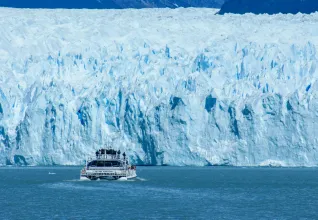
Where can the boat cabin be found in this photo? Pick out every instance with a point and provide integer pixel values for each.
(105, 163)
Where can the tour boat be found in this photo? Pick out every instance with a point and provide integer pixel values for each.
(108, 164)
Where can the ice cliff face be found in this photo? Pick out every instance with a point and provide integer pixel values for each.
(176, 87)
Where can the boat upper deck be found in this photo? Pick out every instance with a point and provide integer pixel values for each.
(107, 163)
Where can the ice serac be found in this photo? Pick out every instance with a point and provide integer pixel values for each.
(175, 87)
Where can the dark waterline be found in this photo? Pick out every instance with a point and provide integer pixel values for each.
(161, 193)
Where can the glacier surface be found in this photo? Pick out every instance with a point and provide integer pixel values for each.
(175, 87)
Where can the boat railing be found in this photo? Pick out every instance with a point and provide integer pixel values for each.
(105, 168)
(106, 172)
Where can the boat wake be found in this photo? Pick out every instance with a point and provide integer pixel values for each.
(105, 180)
(78, 180)
(73, 186)
(141, 179)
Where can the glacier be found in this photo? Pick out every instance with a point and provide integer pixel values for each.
(168, 86)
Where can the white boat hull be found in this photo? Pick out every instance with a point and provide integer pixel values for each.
(108, 175)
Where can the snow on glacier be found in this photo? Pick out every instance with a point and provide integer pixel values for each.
(176, 87)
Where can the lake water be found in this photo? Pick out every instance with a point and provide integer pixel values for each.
(161, 193)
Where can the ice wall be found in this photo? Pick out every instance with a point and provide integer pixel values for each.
(176, 87)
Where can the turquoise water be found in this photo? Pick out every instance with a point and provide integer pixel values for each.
(161, 193)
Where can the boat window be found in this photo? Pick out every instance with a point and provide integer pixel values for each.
(115, 163)
(92, 163)
(112, 163)
(100, 163)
